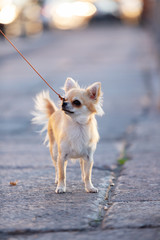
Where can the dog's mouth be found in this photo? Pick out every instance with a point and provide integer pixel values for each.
(67, 111)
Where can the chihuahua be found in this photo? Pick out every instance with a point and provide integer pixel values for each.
(72, 130)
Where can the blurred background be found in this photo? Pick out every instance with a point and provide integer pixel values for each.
(25, 17)
(112, 41)
(29, 17)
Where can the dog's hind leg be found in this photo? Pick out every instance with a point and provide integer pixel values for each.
(51, 146)
(62, 164)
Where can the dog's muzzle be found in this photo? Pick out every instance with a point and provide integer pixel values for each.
(65, 107)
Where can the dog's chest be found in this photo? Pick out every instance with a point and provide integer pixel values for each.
(79, 141)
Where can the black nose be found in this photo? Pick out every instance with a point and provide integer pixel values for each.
(64, 104)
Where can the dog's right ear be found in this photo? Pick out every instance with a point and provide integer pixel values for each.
(70, 83)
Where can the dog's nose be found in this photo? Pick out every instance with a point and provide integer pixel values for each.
(64, 104)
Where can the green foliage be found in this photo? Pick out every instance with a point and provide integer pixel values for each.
(122, 161)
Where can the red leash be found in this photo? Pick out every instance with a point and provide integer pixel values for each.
(31, 65)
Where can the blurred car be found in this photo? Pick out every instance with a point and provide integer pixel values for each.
(126, 10)
(67, 14)
(106, 10)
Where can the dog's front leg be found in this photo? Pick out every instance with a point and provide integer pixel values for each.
(88, 164)
(62, 164)
(82, 169)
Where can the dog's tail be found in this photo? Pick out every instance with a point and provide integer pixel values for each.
(44, 107)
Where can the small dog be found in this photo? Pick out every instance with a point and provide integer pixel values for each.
(72, 130)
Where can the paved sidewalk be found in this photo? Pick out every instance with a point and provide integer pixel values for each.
(135, 203)
(132, 211)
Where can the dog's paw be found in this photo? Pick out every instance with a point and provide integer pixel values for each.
(91, 190)
(60, 189)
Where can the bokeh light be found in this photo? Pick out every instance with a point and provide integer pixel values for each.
(25, 17)
(8, 13)
(69, 15)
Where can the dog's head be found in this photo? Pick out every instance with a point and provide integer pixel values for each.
(81, 103)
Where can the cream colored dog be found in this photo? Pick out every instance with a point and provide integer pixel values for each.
(72, 130)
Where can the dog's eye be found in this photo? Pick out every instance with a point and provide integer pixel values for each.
(76, 103)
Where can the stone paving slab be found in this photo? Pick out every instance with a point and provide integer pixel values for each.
(133, 215)
(145, 146)
(135, 202)
(147, 136)
(140, 178)
(28, 150)
(139, 181)
(33, 205)
(106, 155)
(143, 190)
(125, 234)
(144, 130)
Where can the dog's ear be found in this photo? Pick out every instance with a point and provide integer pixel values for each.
(94, 91)
(70, 83)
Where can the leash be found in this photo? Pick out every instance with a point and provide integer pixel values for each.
(31, 66)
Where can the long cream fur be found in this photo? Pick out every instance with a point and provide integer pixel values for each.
(71, 132)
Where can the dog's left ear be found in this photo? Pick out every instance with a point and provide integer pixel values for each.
(94, 91)
(95, 94)
(70, 83)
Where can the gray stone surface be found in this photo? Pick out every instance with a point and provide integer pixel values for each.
(15, 151)
(125, 234)
(133, 215)
(140, 180)
(135, 202)
(33, 204)
(147, 136)
(106, 155)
